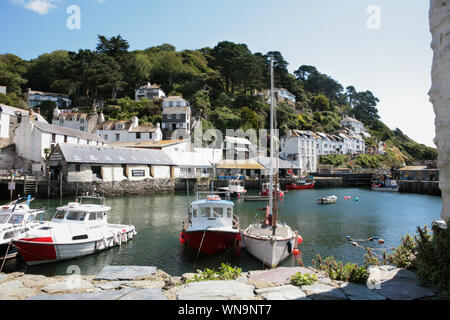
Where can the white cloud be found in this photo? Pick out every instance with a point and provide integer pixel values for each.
(39, 6)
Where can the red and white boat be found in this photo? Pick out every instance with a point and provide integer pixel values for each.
(266, 190)
(300, 185)
(211, 226)
(77, 229)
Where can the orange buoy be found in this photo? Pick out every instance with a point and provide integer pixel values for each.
(296, 252)
(299, 239)
(182, 239)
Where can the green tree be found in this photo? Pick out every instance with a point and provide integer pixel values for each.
(321, 103)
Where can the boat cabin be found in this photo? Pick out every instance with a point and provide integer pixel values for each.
(212, 212)
(76, 212)
(15, 218)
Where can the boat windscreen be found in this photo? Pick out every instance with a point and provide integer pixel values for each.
(15, 218)
(4, 218)
(76, 216)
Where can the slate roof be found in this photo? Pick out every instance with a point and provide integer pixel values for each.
(50, 128)
(12, 111)
(75, 153)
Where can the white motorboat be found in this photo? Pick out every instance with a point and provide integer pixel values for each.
(327, 200)
(235, 188)
(16, 218)
(77, 229)
(271, 241)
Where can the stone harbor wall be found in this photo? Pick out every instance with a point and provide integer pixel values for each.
(440, 94)
(110, 189)
(148, 283)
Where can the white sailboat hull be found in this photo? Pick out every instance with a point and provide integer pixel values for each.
(271, 251)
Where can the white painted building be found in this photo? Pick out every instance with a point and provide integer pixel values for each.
(150, 92)
(10, 118)
(83, 163)
(355, 125)
(75, 120)
(301, 148)
(35, 98)
(280, 95)
(33, 139)
(176, 116)
(352, 144)
(330, 144)
(128, 131)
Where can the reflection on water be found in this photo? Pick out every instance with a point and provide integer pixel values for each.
(158, 220)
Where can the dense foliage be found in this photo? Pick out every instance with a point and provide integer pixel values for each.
(335, 270)
(219, 83)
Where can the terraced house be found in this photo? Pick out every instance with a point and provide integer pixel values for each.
(128, 131)
(176, 118)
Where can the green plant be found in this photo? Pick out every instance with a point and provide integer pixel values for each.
(404, 255)
(335, 270)
(225, 272)
(303, 279)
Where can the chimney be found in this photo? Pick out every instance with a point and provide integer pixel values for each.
(31, 116)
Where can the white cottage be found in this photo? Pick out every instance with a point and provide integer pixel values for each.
(124, 131)
(34, 139)
(10, 118)
(150, 92)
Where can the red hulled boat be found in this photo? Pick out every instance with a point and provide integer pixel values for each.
(300, 185)
(211, 226)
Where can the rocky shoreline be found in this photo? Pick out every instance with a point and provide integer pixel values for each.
(149, 283)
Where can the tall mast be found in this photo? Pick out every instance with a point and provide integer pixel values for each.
(271, 138)
(275, 192)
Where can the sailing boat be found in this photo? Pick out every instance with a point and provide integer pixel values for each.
(271, 241)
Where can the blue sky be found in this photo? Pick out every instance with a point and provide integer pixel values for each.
(394, 62)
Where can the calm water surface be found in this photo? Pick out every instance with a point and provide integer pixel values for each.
(158, 220)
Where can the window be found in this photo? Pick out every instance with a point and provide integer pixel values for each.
(150, 135)
(15, 218)
(82, 120)
(81, 128)
(106, 137)
(206, 212)
(99, 216)
(138, 135)
(53, 137)
(76, 216)
(59, 215)
(217, 212)
(77, 168)
(169, 116)
(229, 212)
(92, 216)
(194, 213)
(117, 136)
(65, 139)
(178, 116)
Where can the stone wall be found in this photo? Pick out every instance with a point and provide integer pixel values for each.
(440, 94)
(111, 189)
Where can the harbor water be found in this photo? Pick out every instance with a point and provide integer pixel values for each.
(324, 228)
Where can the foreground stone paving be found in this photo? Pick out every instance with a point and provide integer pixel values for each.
(148, 283)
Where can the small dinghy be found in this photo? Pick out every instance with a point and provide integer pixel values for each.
(77, 229)
(327, 200)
